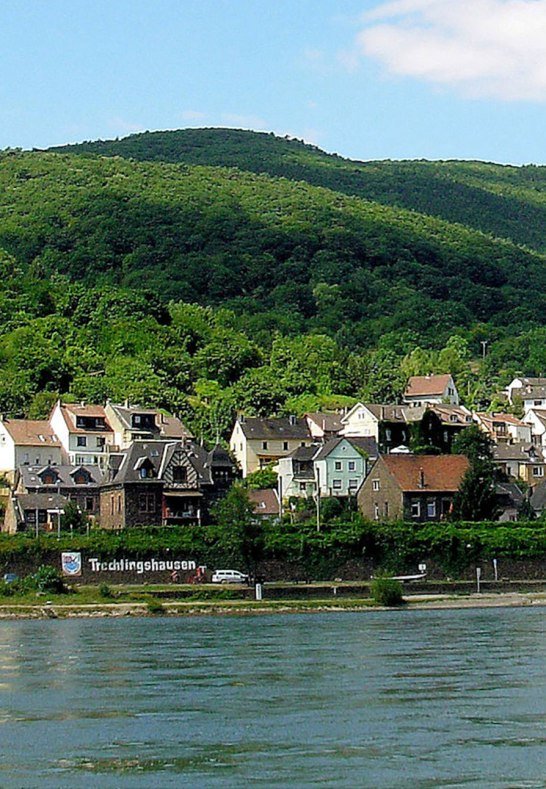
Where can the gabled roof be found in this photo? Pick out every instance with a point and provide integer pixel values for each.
(366, 444)
(166, 426)
(70, 412)
(523, 453)
(330, 423)
(31, 432)
(423, 385)
(426, 473)
(507, 419)
(304, 454)
(265, 501)
(540, 414)
(531, 392)
(329, 447)
(157, 454)
(451, 414)
(66, 475)
(275, 428)
(538, 498)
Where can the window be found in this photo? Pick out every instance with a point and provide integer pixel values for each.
(337, 484)
(352, 465)
(146, 502)
(388, 434)
(537, 402)
(302, 444)
(375, 484)
(538, 471)
(111, 505)
(264, 444)
(81, 441)
(80, 460)
(25, 459)
(415, 509)
(285, 446)
(338, 466)
(386, 509)
(89, 504)
(119, 503)
(180, 474)
(446, 437)
(431, 509)
(376, 511)
(353, 484)
(101, 441)
(303, 487)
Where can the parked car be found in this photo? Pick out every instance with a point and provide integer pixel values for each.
(229, 577)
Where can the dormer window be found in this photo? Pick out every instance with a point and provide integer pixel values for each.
(180, 474)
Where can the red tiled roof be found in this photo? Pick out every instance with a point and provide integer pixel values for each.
(438, 472)
(427, 385)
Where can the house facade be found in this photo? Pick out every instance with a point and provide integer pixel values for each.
(132, 423)
(25, 442)
(84, 432)
(415, 488)
(505, 427)
(256, 443)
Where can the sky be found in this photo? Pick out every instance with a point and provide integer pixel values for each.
(368, 79)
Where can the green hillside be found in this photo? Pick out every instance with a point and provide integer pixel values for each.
(302, 257)
(508, 202)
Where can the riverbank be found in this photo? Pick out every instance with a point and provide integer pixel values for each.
(57, 610)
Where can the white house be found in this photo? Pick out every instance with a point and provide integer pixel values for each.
(25, 442)
(133, 423)
(536, 422)
(84, 432)
(256, 443)
(423, 389)
(530, 391)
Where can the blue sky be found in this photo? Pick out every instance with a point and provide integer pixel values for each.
(368, 79)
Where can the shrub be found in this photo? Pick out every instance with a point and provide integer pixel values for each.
(105, 591)
(48, 579)
(387, 591)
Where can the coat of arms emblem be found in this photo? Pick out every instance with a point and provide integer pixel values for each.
(71, 563)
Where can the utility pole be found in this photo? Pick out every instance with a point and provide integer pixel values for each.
(279, 493)
(484, 344)
(317, 472)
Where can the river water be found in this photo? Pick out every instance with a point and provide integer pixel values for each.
(375, 699)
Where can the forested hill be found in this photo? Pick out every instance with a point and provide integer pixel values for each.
(504, 201)
(284, 255)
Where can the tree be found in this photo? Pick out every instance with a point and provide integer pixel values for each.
(263, 478)
(239, 533)
(476, 499)
(73, 518)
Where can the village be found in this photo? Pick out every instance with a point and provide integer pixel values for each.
(122, 465)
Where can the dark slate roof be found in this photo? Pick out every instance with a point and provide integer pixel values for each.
(166, 426)
(330, 423)
(158, 454)
(304, 453)
(277, 428)
(511, 491)
(538, 498)
(367, 444)
(219, 457)
(65, 474)
(40, 501)
(524, 453)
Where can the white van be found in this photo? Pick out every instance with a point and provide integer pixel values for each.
(229, 577)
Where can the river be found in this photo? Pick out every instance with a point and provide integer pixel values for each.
(376, 699)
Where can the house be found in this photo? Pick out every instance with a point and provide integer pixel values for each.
(538, 498)
(296, 473)
(520, 461)
(393, 426)
(163, 483)
(26, 442)
(535, 419)
(509, 501)
(423, 389)
(323, 426)
(84, 432)
(504, 427)
(531, 392)
(411, 487)
(256, 443)
(133, 423)
(338, 467)
(78, 484)
(265, 502)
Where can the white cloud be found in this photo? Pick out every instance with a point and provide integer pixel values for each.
(482, 48)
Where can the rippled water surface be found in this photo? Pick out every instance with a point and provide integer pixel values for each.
(378, 699)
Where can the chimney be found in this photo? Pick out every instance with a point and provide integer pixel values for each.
(292, 419)
(421, 478)
(382, 413)
(241, 418)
